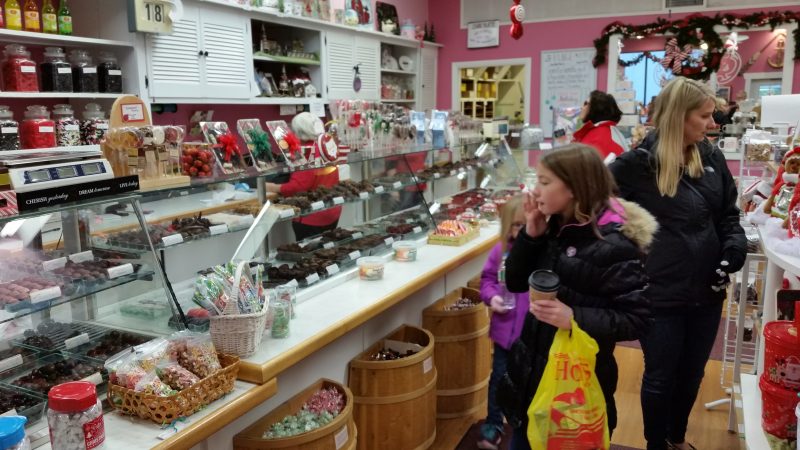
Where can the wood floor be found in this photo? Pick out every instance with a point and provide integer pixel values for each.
(708, 430)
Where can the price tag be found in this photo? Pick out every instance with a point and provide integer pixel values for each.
(313, 278)
(286, 213)
(328, 245)
(480, 163)
(120, 271)
(27, 69)
(9, 130)
(354, 255)
(397, 185)
(76, 341)
(104, 126)
(10, 363)
(10, 412)
(333, 269)
(338, 200)
(379, 189)
(545, 146)
(388, 241)
(47, 130)
(341, 437)
(89, 70)
(218, 229)
(54, 264)
(461, 170)
(417, 230)
(317, 205)
(357, 235)
(246, 221)
(427, 365)
(317, 109)
(437, 175)
(72, 127)
(43, 295)
(292, 283)
(452, 172)
(363, 195)
(133, 112)
(94, 378)
(82, 256)
(64, 70)
(172, 239)
(115, 73)
(171, 430)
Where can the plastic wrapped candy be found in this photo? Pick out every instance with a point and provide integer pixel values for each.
(195, 352)
(151, 384)
(230, 157)
(176, 377)
(257, 141)
(150, 354)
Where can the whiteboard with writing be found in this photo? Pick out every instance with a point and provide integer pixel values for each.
(567, 79)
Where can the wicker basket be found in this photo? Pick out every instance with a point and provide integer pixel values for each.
(185, 403)
(234, 333)
(453, 241)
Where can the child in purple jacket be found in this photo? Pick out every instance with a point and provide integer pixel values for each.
(508, 314)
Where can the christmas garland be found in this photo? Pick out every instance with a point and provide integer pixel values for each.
(638, 59)
(692, 30)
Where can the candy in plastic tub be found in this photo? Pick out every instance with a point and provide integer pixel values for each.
(370, 268)
(405, 251)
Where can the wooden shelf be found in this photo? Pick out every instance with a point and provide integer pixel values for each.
(58, 95)
(397, 72)
(286, 100)
(397, 100)
(286, 60)
(31, 38)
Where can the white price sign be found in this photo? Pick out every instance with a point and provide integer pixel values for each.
(81, 257)
(120, 271)
(10, 363)
(317, 205)
(389, 241)
(333, 269)
(338, 200)
(218, 229)
(76, 341)
(397, 185)
(54, 264)
(286, 213)
(43, 295)
(94, 378)
(355, 255)
(313, 278)
(379, 189)
(363, 195)
(358, 235)
(172, 239)
(437, 175)
(150, 16)
(417, 230)
(328, 245)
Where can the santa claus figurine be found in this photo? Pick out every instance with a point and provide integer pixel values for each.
(777, 205)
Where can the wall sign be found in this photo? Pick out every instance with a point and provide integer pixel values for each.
(483, 34)
(151, 16)
(568, 78)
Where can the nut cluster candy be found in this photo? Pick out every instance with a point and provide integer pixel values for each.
(461, 303)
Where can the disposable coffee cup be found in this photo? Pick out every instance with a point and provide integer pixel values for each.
(544, 285)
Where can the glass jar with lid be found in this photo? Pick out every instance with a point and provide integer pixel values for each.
(109, 73)
(75, 417)
(9, 129)
(12, 433)
(19, 70)
(68, 128)
(84, 73)
(94, 125)
(56, 71)
(37, 130)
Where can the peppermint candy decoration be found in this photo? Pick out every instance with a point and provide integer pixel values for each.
(517, 14)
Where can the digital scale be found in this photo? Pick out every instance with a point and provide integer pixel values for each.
(35, 170)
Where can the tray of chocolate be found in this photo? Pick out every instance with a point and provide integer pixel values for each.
(189, 228)
(306, 272)
(79, 338)
(22, 403)
(394, 182)
(16, 295)
(110, 344)
(39, 377)
(89, 275)
(297, 251)
(406, 231)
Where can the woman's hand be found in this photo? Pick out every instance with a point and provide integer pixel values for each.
(272, 187)
(535, 220)
(497, 306)
(552, 312)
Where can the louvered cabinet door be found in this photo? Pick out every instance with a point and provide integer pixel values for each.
(368, 52)
(426, 94)
(173, 60)
(224, 44)
(341, 57)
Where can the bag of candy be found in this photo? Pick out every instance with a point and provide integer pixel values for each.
(114, 363)
(175, 376)
(195, 352)
(151, 384)
(151, 353)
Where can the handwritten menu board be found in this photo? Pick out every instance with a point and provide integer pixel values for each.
(567, 79)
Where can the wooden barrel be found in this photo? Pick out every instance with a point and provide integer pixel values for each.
(395, 401)
(463, 354)
(475, 282)
(339, 434)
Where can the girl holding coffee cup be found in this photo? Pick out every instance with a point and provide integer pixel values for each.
(580, 255)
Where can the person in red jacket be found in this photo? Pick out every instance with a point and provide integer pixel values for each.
(600, 115)
(304, 181)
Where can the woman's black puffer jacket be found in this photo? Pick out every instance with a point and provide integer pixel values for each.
(698, 228)
(602, 280)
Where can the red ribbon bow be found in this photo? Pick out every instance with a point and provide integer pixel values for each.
(293, 142)
(674, 56)
(228, 143)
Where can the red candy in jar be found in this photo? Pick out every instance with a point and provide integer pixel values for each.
(37, 130)
(19, 70)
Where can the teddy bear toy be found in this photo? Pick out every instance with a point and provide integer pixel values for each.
(778, 203)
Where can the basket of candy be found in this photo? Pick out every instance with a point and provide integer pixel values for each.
(453, 233)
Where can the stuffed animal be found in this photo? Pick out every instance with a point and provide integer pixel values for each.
(777, 204)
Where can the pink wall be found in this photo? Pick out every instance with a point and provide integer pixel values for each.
(416, 10)
(545, 36)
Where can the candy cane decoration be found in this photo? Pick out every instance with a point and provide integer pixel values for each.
(517, 14)
(674, 56)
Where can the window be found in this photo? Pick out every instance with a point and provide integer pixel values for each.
(761, 88)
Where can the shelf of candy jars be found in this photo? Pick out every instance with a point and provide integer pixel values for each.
(67, 306)
(287, 62)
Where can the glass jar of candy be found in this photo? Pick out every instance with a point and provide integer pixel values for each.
(94, 126)
(19, 70)
(9, 129)
(75, 417)
(109, 73)
(37, 130)
(68, 128)
(56, 71)
(84, 73)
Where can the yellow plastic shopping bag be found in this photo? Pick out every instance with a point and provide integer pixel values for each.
(568, 411)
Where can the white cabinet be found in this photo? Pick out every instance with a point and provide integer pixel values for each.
(207, 56)
(426, 93)
(344, 52)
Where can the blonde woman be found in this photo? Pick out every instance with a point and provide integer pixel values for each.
(684, 181)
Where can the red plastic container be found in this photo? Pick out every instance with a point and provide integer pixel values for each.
(782, 352)
(777, 413)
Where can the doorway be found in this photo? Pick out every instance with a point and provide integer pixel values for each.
(486, 90)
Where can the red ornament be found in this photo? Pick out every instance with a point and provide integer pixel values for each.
(517, 14)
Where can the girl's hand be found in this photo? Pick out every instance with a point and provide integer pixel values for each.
(496, 305)
(552, 312)
(535, 221)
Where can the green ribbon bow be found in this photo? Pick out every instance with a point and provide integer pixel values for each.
(262, 149)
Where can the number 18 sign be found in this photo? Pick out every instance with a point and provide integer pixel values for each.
(150, 16)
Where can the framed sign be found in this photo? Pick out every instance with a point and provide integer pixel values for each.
(150, 16)
(483, 34)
